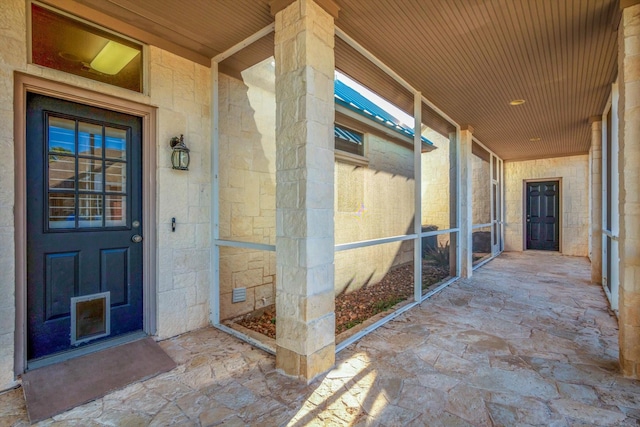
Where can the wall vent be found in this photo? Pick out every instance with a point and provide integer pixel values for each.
(239, 295)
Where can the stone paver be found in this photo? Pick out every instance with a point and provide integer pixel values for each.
(527, 341)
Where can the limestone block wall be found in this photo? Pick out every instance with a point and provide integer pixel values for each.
(573, 171)
(247, 187)
(13, 51)
(181, 91)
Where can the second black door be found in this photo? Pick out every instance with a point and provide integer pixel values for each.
(543, 215)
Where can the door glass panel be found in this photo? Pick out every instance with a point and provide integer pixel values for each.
(116, 176)
(62, 209)
(90, 175)
(85, 176)
(116, 143)
(62, 172)
(90, 210)
(62, 135)
(116, 210)
(89, 139)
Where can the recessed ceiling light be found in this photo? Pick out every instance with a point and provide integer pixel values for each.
(535, 139)
(113, 58)
(517, 102)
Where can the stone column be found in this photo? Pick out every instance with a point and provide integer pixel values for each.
(466, 202)
(595, 237)
(629, 196)
(305, 302)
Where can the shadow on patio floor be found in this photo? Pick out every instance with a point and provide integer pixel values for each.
(526, 341)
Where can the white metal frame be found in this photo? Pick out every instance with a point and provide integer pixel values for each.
(497, 224)
(419, 99)
(614, 280)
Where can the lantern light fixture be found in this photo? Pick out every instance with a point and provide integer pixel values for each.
(180, 156)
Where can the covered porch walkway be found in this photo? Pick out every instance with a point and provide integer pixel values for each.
(528, 340)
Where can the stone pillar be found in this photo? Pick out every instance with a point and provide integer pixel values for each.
(595, 236)
(466, 203)
(629, 195)
(305, 302)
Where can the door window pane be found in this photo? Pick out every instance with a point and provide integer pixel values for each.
(90, 210)
(116, 143)
(116, 176)
(62, 172)
(62, 134)
(89, 139)
(116, 210)
(90, 175)
(62, 210)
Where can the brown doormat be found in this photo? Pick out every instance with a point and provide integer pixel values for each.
(56, 388)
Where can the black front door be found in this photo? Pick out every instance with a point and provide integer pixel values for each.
(543, 215)
(84, 214)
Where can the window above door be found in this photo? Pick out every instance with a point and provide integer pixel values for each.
(63, 43)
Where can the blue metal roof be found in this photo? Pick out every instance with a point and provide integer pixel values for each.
(353, 100)
(347, 134)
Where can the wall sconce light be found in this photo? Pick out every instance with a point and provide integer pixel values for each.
(180, 155)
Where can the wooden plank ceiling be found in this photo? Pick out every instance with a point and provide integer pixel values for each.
(470, 58)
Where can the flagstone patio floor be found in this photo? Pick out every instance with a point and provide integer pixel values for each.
(526, 341)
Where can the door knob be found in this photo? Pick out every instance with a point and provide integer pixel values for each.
(136, 238)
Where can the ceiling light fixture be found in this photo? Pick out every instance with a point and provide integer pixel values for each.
(113, 58)
(517, 102)
(536, 139)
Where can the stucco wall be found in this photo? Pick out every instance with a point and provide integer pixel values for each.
(181, 91)
(372, 202)
(573, 172)
(436, 183)
(481, 190)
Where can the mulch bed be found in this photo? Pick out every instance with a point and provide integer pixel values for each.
(355, 307)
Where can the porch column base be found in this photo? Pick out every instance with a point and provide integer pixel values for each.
(305, 367)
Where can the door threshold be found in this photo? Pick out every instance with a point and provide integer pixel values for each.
(82, 351)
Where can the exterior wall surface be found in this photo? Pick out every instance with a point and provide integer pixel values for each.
(247, 189)
(372, 202)
(180, 90)
(629, 202)
(436, 183)
(481, 190)
(574, 205)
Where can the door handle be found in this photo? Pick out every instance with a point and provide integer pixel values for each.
(136, 238)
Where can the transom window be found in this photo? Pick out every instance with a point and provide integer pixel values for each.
(64, 43)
